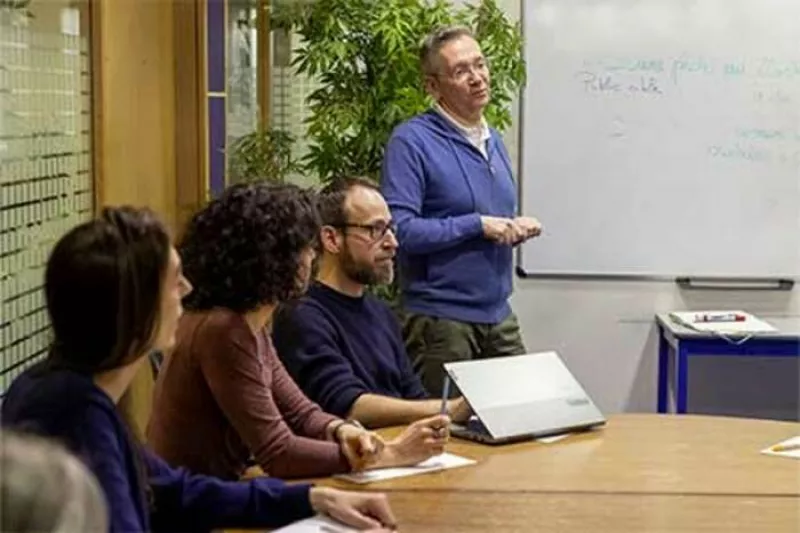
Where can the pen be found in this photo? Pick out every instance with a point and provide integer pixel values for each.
(445, 394)
(786, 447)
(722, 317)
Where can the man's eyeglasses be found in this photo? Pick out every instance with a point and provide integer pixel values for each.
(376, 230)
(464, 71)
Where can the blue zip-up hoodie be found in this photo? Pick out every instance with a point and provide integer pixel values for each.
(438, 185)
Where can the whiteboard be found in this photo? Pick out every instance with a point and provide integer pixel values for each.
(662, 137)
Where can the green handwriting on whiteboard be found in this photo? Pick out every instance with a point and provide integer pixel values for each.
(756, 154)
(686, 66)
(620, 83)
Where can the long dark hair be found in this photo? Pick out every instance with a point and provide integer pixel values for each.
(113, 267)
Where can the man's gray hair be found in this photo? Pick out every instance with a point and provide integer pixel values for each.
(45, 489)
(434, 41)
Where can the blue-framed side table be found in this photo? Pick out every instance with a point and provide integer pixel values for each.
(677, 343)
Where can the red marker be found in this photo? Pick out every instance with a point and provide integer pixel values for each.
(720, 317)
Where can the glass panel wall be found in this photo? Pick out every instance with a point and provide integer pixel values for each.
(242, 69)
(46, 182)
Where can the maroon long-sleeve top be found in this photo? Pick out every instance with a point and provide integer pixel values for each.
(223, 396)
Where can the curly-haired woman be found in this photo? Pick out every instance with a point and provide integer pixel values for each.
(222, 396)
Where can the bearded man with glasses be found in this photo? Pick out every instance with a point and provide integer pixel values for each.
(342, 345)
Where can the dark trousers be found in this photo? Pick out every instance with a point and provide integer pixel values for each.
(432, 341)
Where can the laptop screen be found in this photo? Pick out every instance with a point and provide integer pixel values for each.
(533, 393)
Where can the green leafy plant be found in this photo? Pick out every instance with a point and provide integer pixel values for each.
(17, 6)
(14, 4)
(262, 155)
(364, 54)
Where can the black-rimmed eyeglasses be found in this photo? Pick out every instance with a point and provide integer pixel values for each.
(376, 230)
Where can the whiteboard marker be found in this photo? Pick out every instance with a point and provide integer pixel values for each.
(721, 317)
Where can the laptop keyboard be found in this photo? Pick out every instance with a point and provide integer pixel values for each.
(473, 429)
(475, 425)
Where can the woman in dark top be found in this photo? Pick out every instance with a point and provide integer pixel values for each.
(123, 271)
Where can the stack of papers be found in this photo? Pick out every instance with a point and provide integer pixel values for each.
(787, 448)
(716, 321)
(434, 464)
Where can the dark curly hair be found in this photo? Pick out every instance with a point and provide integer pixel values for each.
(244, 248)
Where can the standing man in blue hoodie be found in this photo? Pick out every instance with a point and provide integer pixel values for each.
(448, 181)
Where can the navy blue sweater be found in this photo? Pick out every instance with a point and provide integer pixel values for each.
(71, 408)
(437, 186)
(338, 347)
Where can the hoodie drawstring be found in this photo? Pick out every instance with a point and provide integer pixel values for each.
(464, 174)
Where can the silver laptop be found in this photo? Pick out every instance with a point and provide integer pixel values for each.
(521, 397)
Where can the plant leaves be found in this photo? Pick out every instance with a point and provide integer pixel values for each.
(364, 54)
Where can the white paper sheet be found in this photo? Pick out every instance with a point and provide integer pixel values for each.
(553, 438)
(750, 324)
(788, 453)
(434, 464)
(316, 524)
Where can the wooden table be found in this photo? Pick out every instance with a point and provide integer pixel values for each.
(468, 512)
(640, 473)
